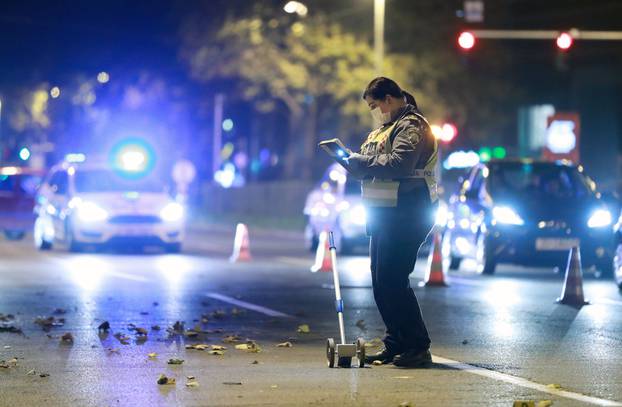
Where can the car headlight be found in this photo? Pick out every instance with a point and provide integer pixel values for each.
(506, 215)
(91, 212)
(172, 212)
(357, 215)
(600, 218)
(442, 215)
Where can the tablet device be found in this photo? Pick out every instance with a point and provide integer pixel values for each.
(336, 149)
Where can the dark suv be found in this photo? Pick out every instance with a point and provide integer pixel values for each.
(530, 213)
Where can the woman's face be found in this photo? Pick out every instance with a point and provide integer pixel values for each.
(384, 105)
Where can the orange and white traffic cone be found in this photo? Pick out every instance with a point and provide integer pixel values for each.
(572, 292)
(241, 245)
(435, 276)
(323, 261)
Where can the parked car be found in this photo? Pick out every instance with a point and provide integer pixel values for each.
(18, 187)
(528, 212)
(91, 204)
(335, 204)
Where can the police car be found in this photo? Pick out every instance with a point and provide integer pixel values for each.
(94, 204)
(335, 205)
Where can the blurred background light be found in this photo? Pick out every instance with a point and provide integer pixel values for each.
(24, 154)
(103, 77)
(55, 92)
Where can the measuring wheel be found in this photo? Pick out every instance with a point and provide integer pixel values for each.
(330, 352)
(360, 351)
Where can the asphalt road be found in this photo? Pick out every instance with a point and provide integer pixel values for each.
(495, 339)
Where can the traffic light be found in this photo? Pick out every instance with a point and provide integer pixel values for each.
(445, 133)
(466, 40)
(564, 41)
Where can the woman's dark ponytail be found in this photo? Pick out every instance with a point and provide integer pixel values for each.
(410, 99)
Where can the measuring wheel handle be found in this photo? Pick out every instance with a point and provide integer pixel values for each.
(330, 352)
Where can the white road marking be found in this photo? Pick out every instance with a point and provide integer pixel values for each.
(518, 381)
(248, 305)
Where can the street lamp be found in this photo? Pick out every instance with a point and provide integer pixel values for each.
(379, 35)
(296, 7)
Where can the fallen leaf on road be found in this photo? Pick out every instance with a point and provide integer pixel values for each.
(274, 386)
(304, 329)
(124, 339)
(175, 361)
(377, 362)
(152, 355)
(113, 350)
(48, 322)
(44, 375)
(155, 327)
(255, 362)
(249, 346)
(31, 372)
(166, 380)
(231, 339)
(284, 345)
(374, 343)
(218, 347)
(218, 314)
(216, 352)
(141, 331)
(104, 326)
(199, 346)
(406, 404)
(464, 342)
(236, 312)
(232, 383)
(10, 328)
(67, 338)
(144, 313)
(6, 318)
(402, 377)
(361, 324)
(191, 334)
(155, 303)
(554, 386)
(7, 347)
(192, 383)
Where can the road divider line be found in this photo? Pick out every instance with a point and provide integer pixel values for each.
(248, 305)
(519, 381)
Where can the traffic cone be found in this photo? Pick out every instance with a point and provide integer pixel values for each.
(435, 276)
(572, 292)
(241, 245)
(323, 261)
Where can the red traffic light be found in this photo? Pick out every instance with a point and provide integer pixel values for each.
(466, 40)
(564, 41)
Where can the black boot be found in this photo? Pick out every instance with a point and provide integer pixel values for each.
(413, 358)
(384, 355)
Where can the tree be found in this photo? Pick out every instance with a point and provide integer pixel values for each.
(312, 67)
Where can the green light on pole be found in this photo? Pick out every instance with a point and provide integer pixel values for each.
(485, 154)
(499, 152)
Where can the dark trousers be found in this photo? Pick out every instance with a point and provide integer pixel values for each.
(395, 242)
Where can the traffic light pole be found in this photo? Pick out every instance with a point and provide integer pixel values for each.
(547, 34)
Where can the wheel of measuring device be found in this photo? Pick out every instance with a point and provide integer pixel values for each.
(330, 352)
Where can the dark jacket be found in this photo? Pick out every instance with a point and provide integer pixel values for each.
(412, 146)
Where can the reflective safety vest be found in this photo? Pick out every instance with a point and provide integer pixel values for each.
(378, 192)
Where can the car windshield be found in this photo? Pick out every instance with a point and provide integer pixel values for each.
(109, 181)
(540, 179)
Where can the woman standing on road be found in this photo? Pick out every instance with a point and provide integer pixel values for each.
(396, 164)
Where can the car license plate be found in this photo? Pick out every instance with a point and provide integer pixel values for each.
(132, 232)
(547, 244)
